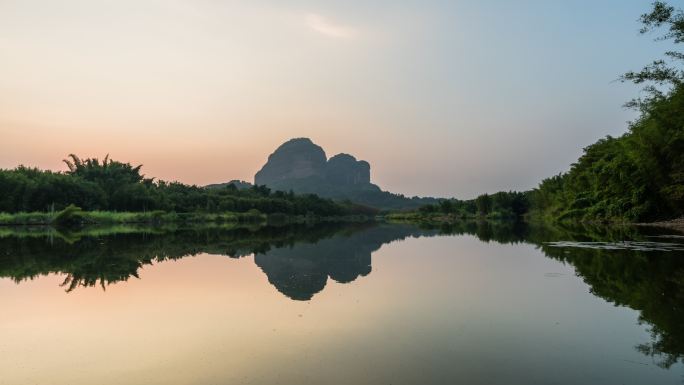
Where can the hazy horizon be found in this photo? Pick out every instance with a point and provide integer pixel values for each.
(446, 99)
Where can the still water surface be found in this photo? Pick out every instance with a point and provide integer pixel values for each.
(362, 304)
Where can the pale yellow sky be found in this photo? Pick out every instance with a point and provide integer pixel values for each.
(202, 91)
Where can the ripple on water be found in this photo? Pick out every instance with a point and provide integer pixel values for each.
(623, 245)
(670, 236)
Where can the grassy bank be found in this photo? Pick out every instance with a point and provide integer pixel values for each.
(110, 217)
(74, 216)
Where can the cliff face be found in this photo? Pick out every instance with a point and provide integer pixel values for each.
(301, 166)
(344, 169)
(295, 159)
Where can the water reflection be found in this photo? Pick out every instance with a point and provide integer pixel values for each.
(297, 259)
(628, 267)
(302, 270)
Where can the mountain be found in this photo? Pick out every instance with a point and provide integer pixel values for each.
(293, 161)
(301, 166)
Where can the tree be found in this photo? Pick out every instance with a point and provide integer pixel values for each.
(661, 72)
(484, 204)
(446, 206)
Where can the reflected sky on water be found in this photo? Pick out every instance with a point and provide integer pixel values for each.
(364, 304)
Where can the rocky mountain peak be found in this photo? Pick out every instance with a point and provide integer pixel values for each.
(295, 159)
(301, 165)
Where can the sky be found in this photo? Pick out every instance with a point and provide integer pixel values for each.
(442, 98)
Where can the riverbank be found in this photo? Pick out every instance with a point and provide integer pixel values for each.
(439, 219)
(76, 217)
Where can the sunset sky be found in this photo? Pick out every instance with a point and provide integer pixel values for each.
(443, 98)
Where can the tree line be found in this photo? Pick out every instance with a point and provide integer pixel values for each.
(501, 205)
(110, 185)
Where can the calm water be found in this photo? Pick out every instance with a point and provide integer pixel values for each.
(363, 304)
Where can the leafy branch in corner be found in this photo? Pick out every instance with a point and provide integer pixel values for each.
(660, 73)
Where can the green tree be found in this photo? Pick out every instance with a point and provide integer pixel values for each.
(484, 204)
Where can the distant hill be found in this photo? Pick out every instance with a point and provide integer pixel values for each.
(301, 166)
(239, 184)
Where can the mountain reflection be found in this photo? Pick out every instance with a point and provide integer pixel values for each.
(299, 260)
(302, 270)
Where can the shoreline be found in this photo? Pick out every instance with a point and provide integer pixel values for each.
(673, 224)
(157, 218)
(442, 219)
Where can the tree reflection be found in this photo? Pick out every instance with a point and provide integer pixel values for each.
(649, 281)
(297, 259)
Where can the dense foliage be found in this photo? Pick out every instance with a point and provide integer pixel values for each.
(503, 205)
(92, 184)
(371, 195)
(638, 176)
